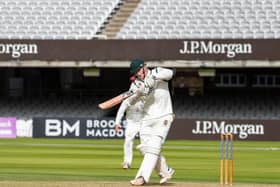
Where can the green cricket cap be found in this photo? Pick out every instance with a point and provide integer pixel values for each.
(135, 65)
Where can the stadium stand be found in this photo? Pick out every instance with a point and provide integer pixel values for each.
(216, 106)
(227, 106)
(203, 19)
(51, 107)
(147, 19)
(116, 22)
(40, 19)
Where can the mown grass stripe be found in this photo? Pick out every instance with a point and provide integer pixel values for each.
(86, 160)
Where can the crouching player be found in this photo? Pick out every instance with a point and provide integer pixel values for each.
(157, 119)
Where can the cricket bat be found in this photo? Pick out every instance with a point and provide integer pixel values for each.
(115, 100)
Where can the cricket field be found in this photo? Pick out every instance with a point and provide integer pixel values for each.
(75, 162)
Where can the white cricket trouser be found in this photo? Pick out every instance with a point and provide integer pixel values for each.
(152, 135)
(132, 128)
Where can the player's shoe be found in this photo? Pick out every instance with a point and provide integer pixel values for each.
(166, 176)
(138, 182)
(125, 165)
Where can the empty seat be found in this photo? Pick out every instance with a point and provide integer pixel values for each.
(200, 13)
(55, 14)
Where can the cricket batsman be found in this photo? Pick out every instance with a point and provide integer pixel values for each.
(157, 119)
(134, 115)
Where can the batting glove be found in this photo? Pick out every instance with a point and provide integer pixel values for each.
(149, 81)
(143, 90)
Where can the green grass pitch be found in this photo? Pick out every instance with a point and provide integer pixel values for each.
(26, 159)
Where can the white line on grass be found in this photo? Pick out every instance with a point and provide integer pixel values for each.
(120, 146)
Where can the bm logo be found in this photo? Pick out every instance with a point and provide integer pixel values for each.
(55, 127)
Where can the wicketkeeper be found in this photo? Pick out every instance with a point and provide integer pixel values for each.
(157, 119)
(134, 115)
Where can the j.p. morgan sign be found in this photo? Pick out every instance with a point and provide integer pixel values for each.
(75, 128)
(16, 50)
(210, 47)
(153, 49)
(241, 129)
(200, 129)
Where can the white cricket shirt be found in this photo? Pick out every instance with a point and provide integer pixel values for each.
(158, 101)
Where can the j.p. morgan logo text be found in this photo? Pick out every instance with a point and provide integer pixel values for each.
(214, 127)
(16, 50)
(210, 47)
